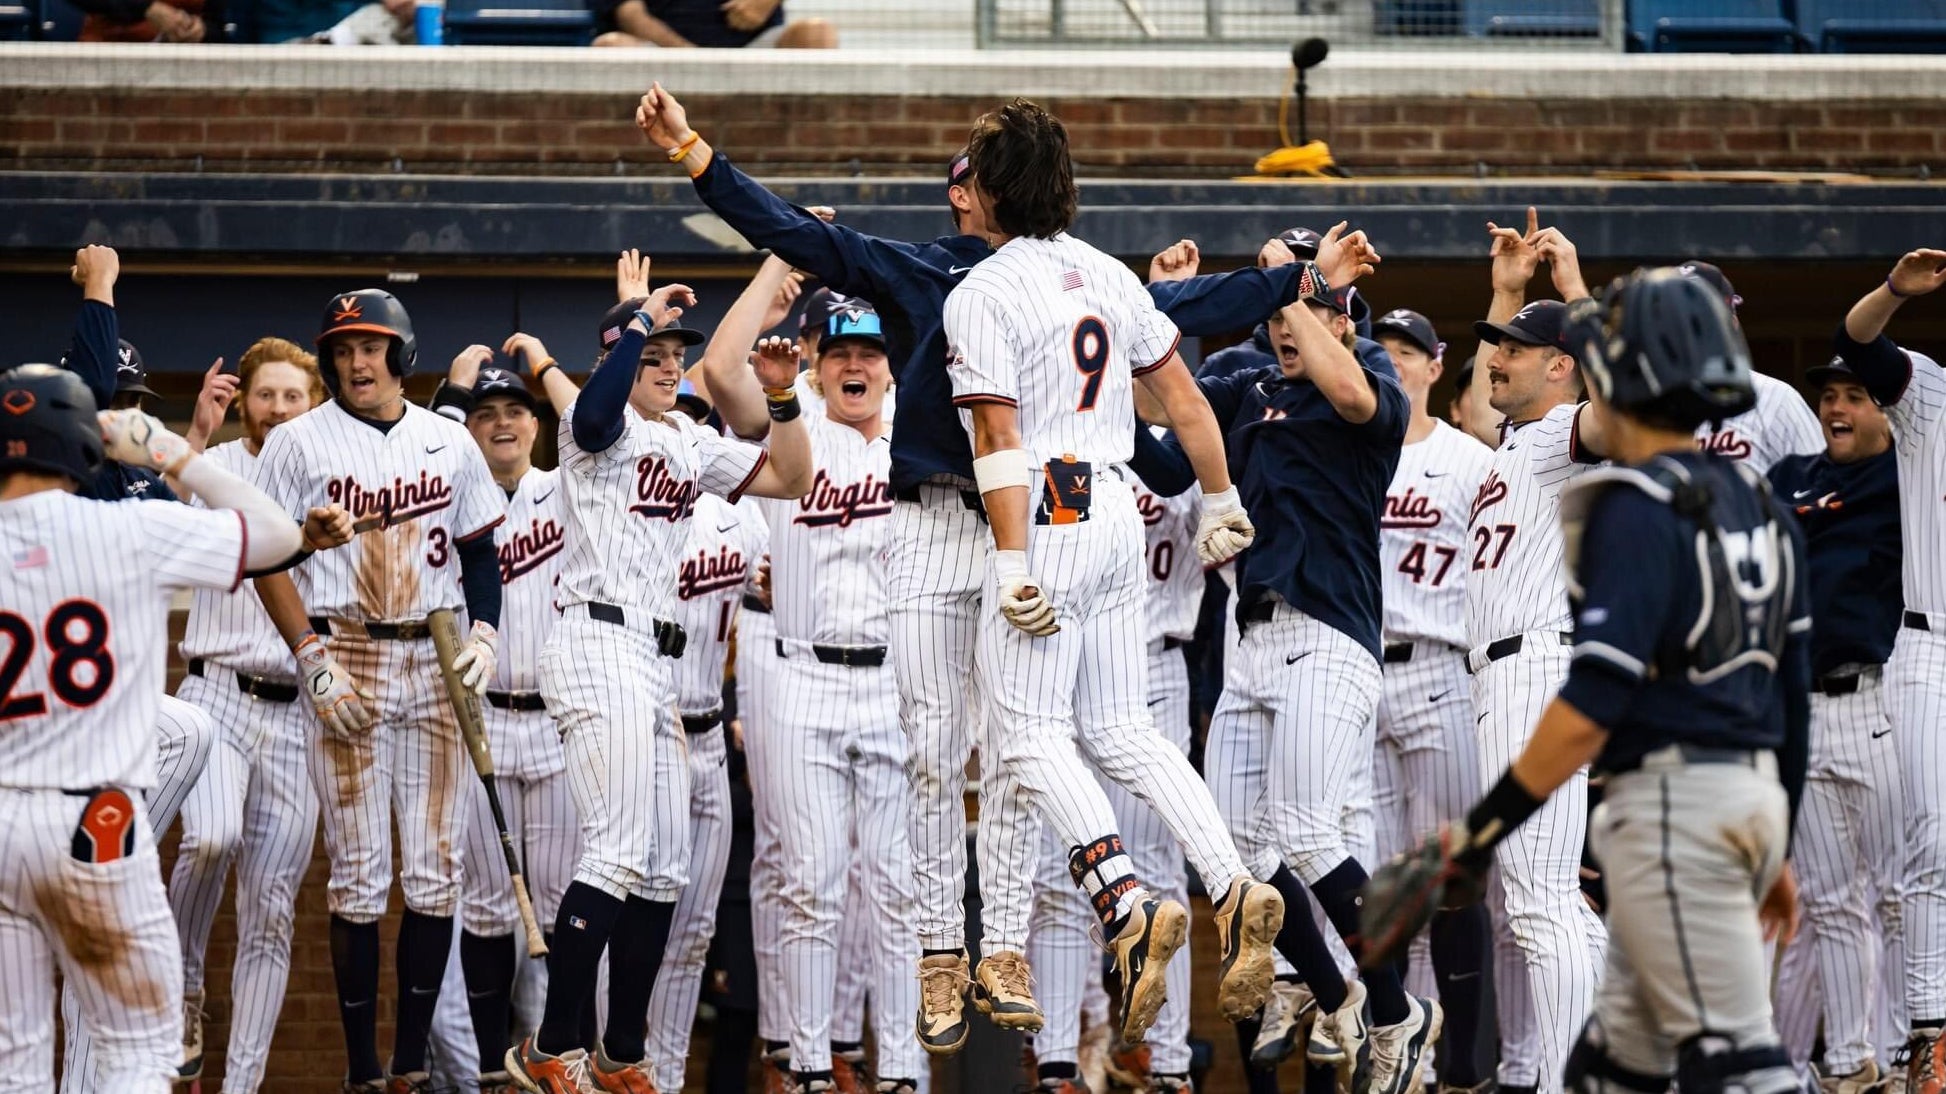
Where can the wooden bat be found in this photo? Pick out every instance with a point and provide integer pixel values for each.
(472, 725)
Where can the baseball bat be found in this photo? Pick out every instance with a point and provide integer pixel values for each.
(472, 726)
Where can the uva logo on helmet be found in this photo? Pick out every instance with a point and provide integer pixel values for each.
(18, 402)
(348, 309)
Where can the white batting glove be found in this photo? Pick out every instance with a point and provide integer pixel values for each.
(343, 707)
(141, 440)
(1225, 530)
(1021, 601)
(476, 662)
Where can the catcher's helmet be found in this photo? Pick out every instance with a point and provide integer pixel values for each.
(369, 311)
(48, 423)
(1659, 342)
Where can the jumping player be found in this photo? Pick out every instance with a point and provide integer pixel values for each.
(430, 503)
(83, 887)
(1046, 341)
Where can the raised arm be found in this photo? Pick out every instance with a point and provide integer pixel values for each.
(788, 472)
(1225, 529)
(733, 388)
(1861, 340)
(97, 331)
(527, 351)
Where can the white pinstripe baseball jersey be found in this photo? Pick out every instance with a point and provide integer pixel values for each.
(626, 505)
(232, 628)
(1513, 553)
(1061, 294)
(423, 476)
(531, 547)
(84, 610)
(1921, 443)
(1781, 424)
(827, 566)
(1424, 535)
(1175, 573)
(724, 545)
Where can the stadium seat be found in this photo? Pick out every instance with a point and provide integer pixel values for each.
(1421, 18)
(1529, 18)
(1715, 26)
(1873, 26)
(55, 20)
(19, 19)
(518, 23)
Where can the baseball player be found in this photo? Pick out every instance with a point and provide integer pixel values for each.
(1849, 843)
(937, 559)
(1779, 425)
(630, 471)
(1690, 662)
(418, 484)
(253, 805)
(1046, 341)
(82, 888)
(1427, 765)
(832, 733)
(1912, 390)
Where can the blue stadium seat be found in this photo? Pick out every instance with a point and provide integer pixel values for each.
(1527, 18)
(56, 20)
(19, 19)
(518, 23)
(1710, 26)
(1420, 18)
(1873, 26)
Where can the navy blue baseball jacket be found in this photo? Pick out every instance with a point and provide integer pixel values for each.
(1258, 352)
(908, 282)
(1850, 516)
(93, 357)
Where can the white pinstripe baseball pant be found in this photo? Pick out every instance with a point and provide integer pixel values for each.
(756, 670)
(672, 1007)
(1915, 681)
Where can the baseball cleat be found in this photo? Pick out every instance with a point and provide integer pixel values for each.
(1247, 920)
(364, 1086)
(1336, 1037)
(1399, 1050)
(540, 1073)
(1287, 1014)
(943, 984)
(776, 1069)
(897, 1086)
(1865, 1080)
(1484, 1086)
(1170, 1084)
(1128, 1067)
(1925, 1073)
(810, 1084)
(1053, 1085)
(614, 1077)
(497, 1082)
(849, 1074)
(1003, 990)
(191, 1067)
(412, 1082)
(1154, 932)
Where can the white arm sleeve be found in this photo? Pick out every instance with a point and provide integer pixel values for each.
(273, 536)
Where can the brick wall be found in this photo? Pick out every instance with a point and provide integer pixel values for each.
(572, 132)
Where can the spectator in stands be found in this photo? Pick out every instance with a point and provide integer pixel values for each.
(335, 22)
(148, 21)
(711, 24)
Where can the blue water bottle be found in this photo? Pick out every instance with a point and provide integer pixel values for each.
(429, 22)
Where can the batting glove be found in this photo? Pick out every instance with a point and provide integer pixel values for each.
(344, 708)
(141, 440)
(1021, 601)
(476, 662)
(1225, 529)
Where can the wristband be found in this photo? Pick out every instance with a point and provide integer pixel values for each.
(1221, 503)
(541, 369)
(1894, 291)
(305, 638)
(1505, 808)
(1009, 567)
(648, 321)
(784, 410)
(677, 153)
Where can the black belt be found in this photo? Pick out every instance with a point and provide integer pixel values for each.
(274, 691)
(1398, 653)
(670, 639)
(1697, 754)
(968, 498)
(1259, 612)
(1169, 643)
(702, 723)
(1917, 621)
(754, 603)
(412, 630)
(857, 657)
(516, 700)
(1835, 685)
(1507, 647)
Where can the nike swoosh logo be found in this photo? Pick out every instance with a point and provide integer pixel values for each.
(721, 528)
(1482, 717)
(1440, 696)
(1803, 493)
(423, 992)
(1153, 702)
(1438, 475)
(1882, 733)
(1459, 976)
(958, 270)
(430, 449)
(1296, 657)
(544, 497)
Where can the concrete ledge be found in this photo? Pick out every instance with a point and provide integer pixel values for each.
(1361, 74)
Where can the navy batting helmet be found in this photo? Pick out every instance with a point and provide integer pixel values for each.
(370, 311)
(1662, 344)
(48, 423)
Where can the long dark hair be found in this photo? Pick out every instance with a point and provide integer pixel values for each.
(1020, 156)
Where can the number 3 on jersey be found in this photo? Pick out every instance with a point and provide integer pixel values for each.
(1090, 358)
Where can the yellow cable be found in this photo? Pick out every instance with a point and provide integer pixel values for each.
(1310, 158)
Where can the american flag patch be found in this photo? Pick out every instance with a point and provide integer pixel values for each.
(1070, 280)
(31, 558)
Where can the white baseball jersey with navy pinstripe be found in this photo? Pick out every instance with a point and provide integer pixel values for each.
(1781, 424)
(231, 628)
(1175, 573)
(1513, 554)
(1424, 536)
(626, 505)
(827, 564)
(84, 607)
(531, 547)
(724, 547)
(423, 477)
(1060, 295)
(1919, 436)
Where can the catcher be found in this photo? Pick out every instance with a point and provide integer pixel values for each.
(1687, 688)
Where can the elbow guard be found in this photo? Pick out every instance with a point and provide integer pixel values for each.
(1002, 469)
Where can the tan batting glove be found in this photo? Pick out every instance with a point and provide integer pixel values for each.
(1021, 599)
(141, 440)
(1225, 529)
(475, 663)
(344, 708)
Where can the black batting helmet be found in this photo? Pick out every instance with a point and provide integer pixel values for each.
(48, 423)
(370, 311)
(1657, 342)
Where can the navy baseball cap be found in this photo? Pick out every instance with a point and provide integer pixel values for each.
(499, 381)
(1412, 327)
(959, 168)
(1541, 323)
(615, 320)
(690, 336)
(820, 305)
(1714, 278)
(1832, 371)
(1303, 242)
(855, 319)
